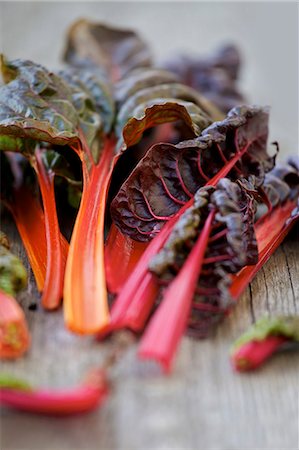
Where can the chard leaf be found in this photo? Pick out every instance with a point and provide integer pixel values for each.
(90, 91)
(117, 51)
(157, 112)
(37, 105)
(169, 175)
(167, 93)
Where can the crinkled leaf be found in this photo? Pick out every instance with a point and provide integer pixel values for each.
(118, 51)
(169, 175)
(134, 106)
(37, 105)
(161, 111)
(90, 91)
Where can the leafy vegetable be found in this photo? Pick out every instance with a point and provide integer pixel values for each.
(264, 337)
(140, 79)
(169, 175)
(151, 108)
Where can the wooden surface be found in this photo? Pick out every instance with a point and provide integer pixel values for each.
(202, 405)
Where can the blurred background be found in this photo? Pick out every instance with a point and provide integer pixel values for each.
(266, 33)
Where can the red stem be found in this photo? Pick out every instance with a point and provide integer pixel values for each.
(168, 324)
(253, 354)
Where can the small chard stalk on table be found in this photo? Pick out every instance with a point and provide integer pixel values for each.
(262, 340)
(20, 395)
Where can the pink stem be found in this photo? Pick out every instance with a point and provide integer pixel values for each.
(167, 326)
(64, 402)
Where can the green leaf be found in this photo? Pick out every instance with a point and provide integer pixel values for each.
(37, 105)
(91, 91)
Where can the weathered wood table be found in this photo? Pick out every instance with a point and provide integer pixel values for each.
(202, 405)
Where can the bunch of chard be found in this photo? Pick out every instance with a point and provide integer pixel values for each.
(86, 116)
(177, 204)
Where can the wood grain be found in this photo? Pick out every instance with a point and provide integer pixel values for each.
(202, 405)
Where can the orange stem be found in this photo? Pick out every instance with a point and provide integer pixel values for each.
(85, 294)
(30, 222)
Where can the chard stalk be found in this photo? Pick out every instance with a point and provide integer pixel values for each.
(168, 324)
(81, 399)
(85, 294)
